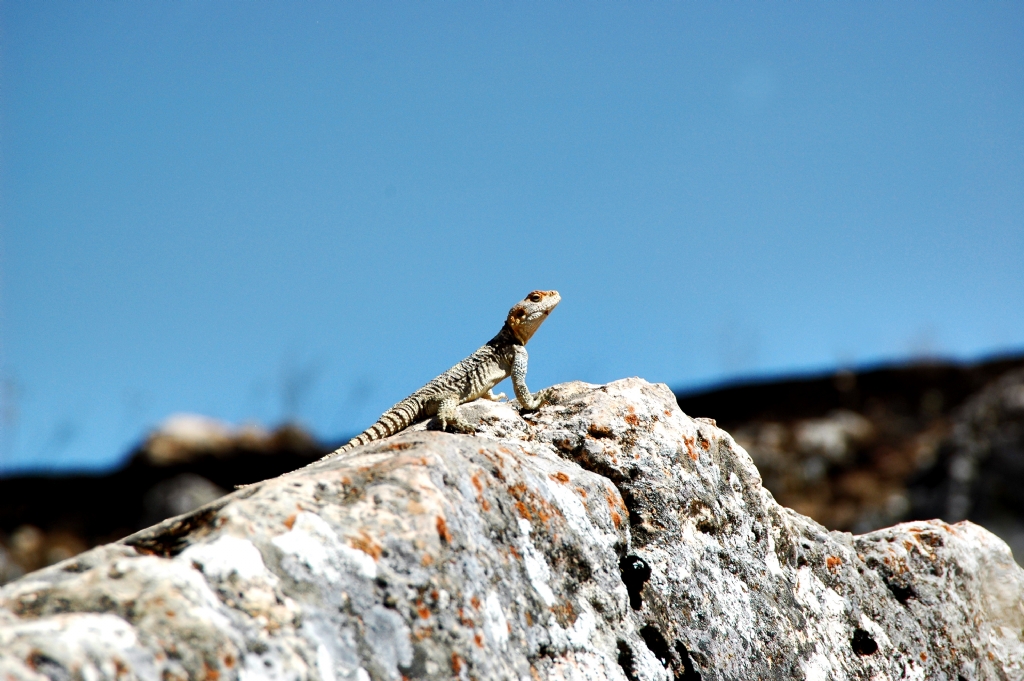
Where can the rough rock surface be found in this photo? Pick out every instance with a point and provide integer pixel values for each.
(606, 536)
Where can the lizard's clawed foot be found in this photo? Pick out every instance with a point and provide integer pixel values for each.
(457, 427)
(489, 395)
(535, 401)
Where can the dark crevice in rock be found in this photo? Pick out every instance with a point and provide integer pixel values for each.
(706, 526)
(862, 643)
(688, 672)
(48, 667)
(635, 573)
(417, 669)
(545, 650)
(636, 520)
(582, 457)
(902, 592)
(657, 643)
(706, 520)
(626, 661)
(170, 537)
(577, 567)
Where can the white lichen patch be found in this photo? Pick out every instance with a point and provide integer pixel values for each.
(581, 630)
(737, 489)
(771, 558)
(537, 569)
(318, 553)
(817, 668)
(101, 646)
(495, 623)
(569, 503)
(324, 663)
(227, 555)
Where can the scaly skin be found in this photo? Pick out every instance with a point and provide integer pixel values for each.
(472, 378)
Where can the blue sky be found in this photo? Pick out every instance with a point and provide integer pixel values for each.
(303, 211)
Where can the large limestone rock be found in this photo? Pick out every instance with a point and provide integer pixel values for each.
(606, 536)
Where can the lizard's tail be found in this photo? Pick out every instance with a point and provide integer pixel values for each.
(394, 420)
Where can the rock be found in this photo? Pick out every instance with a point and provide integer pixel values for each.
(9, 569)
(30, 548)
(835, 437)
(182, 434)
(184, 437)
(180, 494)
(979, 471)
(605, 536)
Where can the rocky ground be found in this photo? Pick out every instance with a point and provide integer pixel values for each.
(606, 536)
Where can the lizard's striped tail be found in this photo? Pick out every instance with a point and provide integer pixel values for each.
(394, 420)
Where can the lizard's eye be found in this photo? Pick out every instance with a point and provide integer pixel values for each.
(534, 298)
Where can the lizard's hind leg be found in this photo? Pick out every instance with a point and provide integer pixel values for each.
(447, 413)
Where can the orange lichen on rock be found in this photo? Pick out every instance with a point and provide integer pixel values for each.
(688, 441)
(442, 530)
(367, 544)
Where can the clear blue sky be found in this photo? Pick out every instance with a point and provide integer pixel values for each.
(270, 211)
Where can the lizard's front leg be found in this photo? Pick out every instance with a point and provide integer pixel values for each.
(448, 414)
(526, 399)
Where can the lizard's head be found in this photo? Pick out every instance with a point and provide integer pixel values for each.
(526, 317)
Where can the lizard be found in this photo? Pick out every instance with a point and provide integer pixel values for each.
(472, 378)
